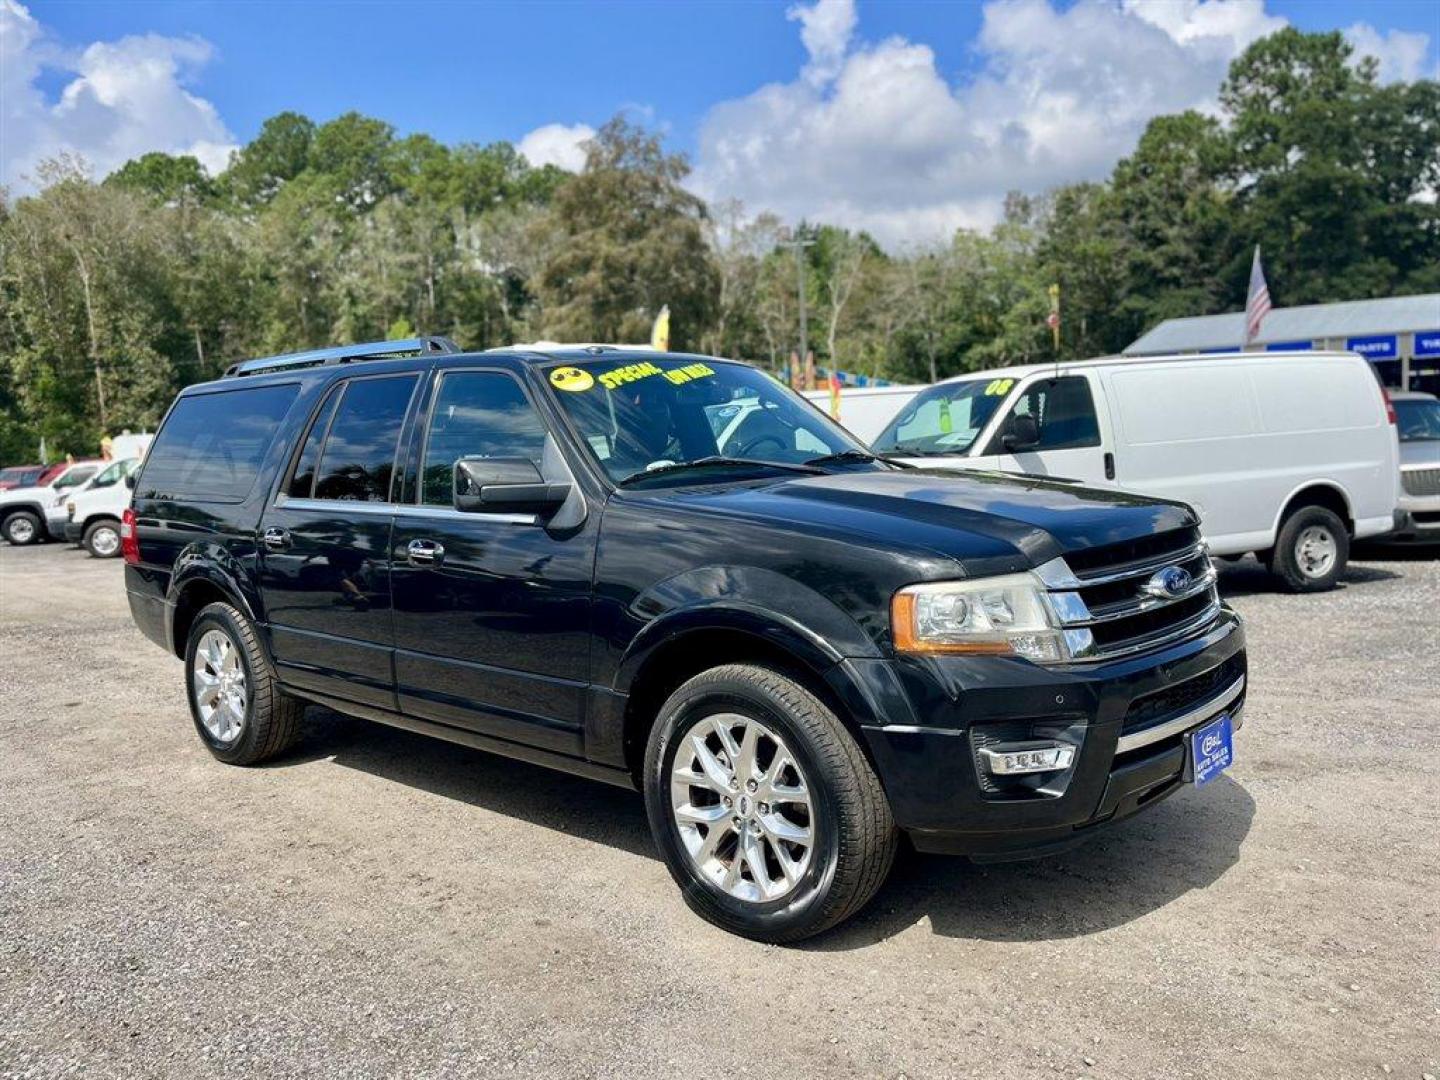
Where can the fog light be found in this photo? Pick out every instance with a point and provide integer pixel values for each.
(1016, 760)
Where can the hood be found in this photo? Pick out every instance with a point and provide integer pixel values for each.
(1420, 454)
(987, 521)
(43, 494)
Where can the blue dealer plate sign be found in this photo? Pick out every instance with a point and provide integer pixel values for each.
(1210, 749)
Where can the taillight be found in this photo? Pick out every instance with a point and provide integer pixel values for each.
(1389, 406)
(129, 538)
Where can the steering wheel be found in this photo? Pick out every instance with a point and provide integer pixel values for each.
(751, 445)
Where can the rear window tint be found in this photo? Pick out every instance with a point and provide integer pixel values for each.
(211, 445)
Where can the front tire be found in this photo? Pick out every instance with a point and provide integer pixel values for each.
(767, 813)
(1311, 551)
(240, 713)
(102, 539)
(22, 528)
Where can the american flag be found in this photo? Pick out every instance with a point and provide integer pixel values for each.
(1257, 300)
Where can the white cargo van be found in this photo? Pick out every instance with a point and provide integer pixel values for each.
(93, 513)
(1288, 455)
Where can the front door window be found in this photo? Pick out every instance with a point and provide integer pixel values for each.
(1064, 411)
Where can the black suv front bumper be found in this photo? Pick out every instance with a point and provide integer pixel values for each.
(1128, 720)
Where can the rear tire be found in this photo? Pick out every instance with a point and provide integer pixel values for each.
(102, 539)
(22, 528)
(810, 865)
(1311, 551)
(240, 713)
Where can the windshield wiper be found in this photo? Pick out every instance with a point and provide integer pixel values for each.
(716, 460)
(906, 451)
(856, 455)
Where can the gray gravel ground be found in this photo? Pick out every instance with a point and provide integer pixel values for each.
(381, 905)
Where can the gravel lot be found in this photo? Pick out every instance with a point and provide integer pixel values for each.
(379, 904)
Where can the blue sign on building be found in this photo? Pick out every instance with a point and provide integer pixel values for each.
(1374, 347)
(1290, 346)
(1427, 342)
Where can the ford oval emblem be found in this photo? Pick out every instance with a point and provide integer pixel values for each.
(1169, 582)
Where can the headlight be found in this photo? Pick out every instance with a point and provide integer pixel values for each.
(1004, 615)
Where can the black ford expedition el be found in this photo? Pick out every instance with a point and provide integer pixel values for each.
(672, 572)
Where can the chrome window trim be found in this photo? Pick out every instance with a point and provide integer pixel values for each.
(1187, 719)
(383, 509)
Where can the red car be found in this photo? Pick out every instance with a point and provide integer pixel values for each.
(18, 476)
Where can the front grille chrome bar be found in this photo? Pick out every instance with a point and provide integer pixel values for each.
(1188, 719)
(1141, 568)
(1072, 610)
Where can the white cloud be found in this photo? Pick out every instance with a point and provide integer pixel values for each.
(126, 98)
(1400, 54)
(557, 144)
(825, 28)
(873, 135)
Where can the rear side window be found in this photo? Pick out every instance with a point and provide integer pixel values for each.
(477, 414)
(211, 445)
(357, 461)
(302, 483)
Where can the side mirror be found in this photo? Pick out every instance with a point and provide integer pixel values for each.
(1022, 432)
(505, 484)
(130, 481)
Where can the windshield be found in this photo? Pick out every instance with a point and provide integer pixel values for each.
(651, 415)
(76, 476)
(1419, 419)
(946, 419)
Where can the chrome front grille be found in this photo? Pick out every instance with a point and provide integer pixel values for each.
(1127, 598)
(1420, 481)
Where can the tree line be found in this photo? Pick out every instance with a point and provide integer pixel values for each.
(118, 292)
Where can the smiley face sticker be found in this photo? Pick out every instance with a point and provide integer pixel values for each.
(572, 379)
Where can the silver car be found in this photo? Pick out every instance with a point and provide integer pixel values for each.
(1418, 418)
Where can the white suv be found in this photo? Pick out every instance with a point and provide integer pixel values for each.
(24, 511)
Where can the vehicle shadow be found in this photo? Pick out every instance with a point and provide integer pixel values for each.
(1248, 577)
(587, 809)
(1186, 842)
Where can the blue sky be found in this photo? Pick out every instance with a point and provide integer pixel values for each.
(1034, 91)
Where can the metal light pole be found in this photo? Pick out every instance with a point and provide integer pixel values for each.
(799, 245)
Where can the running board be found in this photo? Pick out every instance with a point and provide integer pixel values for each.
(473, 739)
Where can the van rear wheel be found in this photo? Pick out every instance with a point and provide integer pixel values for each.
(1311, 551)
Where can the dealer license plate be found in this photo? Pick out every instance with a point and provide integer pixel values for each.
(1210, 749)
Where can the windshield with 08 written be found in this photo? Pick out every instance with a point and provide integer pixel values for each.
(644, 417)
(946, 419)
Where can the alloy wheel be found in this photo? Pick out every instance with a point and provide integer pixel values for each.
(742, 807)
(21, 530)
(221, 693)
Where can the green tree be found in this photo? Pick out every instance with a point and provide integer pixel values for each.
(273, 158)
(633, 242)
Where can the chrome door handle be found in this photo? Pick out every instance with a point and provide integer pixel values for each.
(277, 539)
(424, 552)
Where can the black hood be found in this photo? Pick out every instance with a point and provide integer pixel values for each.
(984, 520)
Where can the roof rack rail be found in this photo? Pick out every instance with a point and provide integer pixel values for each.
(343, 354)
